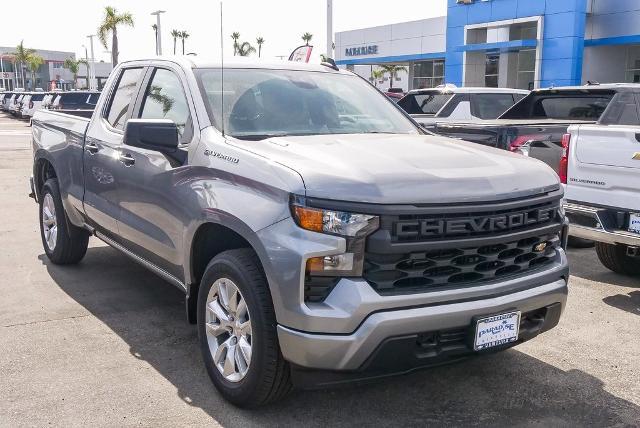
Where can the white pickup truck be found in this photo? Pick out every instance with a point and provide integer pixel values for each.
(601, 170)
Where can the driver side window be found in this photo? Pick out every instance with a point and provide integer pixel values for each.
(165, 99)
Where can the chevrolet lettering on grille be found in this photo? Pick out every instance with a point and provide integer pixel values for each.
(461, 226)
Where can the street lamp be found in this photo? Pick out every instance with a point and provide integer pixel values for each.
(92, 71)
(86, 57)
(158, 33)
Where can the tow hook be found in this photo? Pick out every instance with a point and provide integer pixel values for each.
(633, 251)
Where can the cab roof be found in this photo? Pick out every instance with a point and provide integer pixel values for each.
(190, 61)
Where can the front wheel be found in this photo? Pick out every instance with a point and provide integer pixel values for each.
(63, 242)
(237, 331)
(614, 257)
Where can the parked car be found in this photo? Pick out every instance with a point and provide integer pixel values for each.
(448, 103)
(76, 100)
(32, 103)
(394, 96)
(6, 100)
(48, 99)
(535, 125)
(15, 103)
(318, 234)
(601, 170)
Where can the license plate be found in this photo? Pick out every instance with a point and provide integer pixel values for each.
(497, 330)
(634, 222)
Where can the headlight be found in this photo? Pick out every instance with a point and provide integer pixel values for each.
(333, 222)
(354, 227)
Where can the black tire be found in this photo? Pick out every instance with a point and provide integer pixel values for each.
(614, 257)
(71, 242)
(575, 242)
(268, 378)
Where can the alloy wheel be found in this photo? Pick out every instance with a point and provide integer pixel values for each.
(228, 328)
(49, 222)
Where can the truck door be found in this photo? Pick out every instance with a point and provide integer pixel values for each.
(605, 167)
(153, 212)
(101, 151)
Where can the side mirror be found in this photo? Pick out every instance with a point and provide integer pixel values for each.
(153, 134)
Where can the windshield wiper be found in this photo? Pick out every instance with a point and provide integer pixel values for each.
(257, 137)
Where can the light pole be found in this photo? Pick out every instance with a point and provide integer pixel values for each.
(92, 71)
(86, 58)
(158, 33)
(329, 28)
(4, 86)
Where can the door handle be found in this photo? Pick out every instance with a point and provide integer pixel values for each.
(91, 148)
(127, 159)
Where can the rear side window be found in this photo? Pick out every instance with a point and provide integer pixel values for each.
(122, 97)
(490, 106)
(571, 108)
(622, 111)
(37, 97)
(165, 99)
(562, 105)
(422, 103)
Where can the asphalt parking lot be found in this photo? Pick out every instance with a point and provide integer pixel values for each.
(106, 343)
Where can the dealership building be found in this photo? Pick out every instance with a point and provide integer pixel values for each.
(504, 43)
(50, 74)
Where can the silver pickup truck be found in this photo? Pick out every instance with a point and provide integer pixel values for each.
(319, 235)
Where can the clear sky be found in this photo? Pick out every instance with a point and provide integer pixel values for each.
(63, 24)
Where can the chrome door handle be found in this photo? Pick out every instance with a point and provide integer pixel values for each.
(91, 148)
(127, 159)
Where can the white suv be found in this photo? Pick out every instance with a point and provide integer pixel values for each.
(448, 103)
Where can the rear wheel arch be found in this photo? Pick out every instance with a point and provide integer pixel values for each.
(42, 171)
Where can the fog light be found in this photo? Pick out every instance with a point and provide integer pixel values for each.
(339, 264)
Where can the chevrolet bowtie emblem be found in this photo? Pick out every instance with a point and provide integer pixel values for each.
(538, 248)
(636, 156)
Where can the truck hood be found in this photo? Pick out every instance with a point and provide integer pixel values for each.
(405, 169)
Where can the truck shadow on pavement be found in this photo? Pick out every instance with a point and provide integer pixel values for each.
(509, 388)
(584, 264)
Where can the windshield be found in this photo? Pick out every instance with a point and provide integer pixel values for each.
(261, 103)
(424, 103)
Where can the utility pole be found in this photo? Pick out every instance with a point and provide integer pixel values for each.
(329, 29)
(86, 58)
(158, 32)
(92, 71)
(4, 86)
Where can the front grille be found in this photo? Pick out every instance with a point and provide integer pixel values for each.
(464, 266)
(471, 223)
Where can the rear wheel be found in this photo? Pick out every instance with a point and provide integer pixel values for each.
(63, 242)
(614, 257)
(237, 331)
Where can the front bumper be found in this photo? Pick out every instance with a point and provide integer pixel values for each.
(599, 224)
(359, 351)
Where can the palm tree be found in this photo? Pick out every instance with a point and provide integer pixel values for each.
(183, 35)
(74, 66)
(393, 71)
(376, 75)
(306, 38)
(21, 56)
(33, 63)
(110, 23)
(245, 49)
(260, 42)
(176, 35)
(155, 31)
(235, 36)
